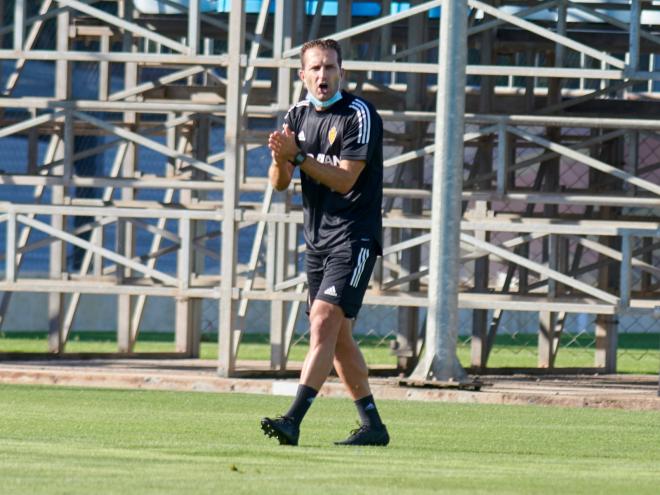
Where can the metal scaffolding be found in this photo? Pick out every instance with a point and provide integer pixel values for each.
(550, 86)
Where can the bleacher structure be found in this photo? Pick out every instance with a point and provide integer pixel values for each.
(557, 200)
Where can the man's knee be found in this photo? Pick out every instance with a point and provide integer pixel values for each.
(325, 320)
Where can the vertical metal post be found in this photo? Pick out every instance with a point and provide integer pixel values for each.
(33, 150)
(606, 342)
(56, 257)
(502, 158)
(124, 306)
(530, 82)
(316, 20)
(19, 24)
(69, 137)
(184, 254)
(193, 26)
(548, 320)
(440, 360)
(606, 325)
(300, 9)
(201, 151)
(125, 230)
(184, 308)
(226, 357)
(412, 175)
(277, 246)
(385, 31)
(479, 351)
(560, 49)
(125, 302)
(647, 256)
(632, 161)
(188, 318)
(343, 21)
(625, 279)
(484, 161)
(633, 37)
(104, 69)
(10, 258)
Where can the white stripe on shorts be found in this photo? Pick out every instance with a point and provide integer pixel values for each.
(357, 272)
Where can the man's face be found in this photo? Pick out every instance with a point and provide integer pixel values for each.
(321, 73)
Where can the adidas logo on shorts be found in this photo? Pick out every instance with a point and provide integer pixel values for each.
(330, 291)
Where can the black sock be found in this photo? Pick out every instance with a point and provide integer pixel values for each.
(368, 413)
(302, 402)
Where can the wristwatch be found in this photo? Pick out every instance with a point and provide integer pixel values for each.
(299, 159)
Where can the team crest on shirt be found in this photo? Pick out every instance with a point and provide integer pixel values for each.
(332, 135)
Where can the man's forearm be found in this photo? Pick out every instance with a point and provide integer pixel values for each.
(279, 175)
(338, 179)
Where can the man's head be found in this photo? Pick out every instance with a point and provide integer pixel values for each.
(321, 68)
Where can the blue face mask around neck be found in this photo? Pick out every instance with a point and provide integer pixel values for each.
(324, 104)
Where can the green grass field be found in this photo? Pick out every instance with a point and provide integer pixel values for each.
(638, 353)
(86, 441)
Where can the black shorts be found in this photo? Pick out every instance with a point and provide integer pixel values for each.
(342, 275)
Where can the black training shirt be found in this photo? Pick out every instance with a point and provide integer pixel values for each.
(350, 129)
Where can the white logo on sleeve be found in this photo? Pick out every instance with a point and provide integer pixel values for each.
(301, 136)
(330, 291)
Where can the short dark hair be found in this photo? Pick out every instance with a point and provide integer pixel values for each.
(328, 44)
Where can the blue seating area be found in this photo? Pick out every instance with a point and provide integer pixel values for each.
(330, 7)
(374, 9)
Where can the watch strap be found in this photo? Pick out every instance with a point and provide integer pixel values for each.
(299, 159)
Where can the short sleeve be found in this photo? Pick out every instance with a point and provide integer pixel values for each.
(289, 120)
(357, 132)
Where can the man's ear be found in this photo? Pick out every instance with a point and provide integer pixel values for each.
(342, 74)
(301, 75)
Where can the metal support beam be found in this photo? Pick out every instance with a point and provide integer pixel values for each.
(479, 345)
(606, 342)
(277, 256)
(228, 303)
(19, 24)
(193, 26)
(125, 24)
(440, 361)
(184, 310)
(10, 246)
(635, 16)
(57, 254)
(412, 176)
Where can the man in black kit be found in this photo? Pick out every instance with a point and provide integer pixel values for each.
(336, 139)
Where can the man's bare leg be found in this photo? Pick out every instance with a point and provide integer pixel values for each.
(331, 341)
(353, 372)
(350, 364)
(325, 323)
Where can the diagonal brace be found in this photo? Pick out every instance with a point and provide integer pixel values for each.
(106, 253)
(540, 269)
(546, 33)
(587, 160)
(123, 24)
(149, 143)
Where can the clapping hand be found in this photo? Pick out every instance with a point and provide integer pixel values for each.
(282, 145)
